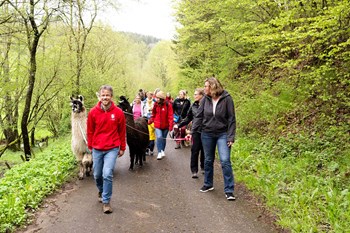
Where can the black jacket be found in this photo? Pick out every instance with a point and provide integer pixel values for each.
(224, 119)
(192, 112)
(181, 106)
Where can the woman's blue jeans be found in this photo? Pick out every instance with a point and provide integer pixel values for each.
(210, 141)
(161, 135)
(103, 165)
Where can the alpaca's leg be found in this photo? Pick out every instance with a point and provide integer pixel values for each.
(132, 159)
(81, 166)
(81, 170)
(87, 164)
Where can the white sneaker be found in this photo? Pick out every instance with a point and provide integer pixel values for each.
(159, 157)
(162, 152)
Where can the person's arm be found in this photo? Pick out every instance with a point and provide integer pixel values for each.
(231, 127)
(153, 115)
(198, 118)
(188, 119)
(170, 117)
(90, 130)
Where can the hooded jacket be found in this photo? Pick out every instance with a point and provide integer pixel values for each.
(162, 116)
(106, 129)
(224, 119)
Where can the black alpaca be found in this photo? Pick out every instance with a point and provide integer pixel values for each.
(136, 134)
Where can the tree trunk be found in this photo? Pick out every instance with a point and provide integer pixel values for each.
(9, 124)
(32, 137)
(29, 95)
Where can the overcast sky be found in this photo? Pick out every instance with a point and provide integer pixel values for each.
(148, 17)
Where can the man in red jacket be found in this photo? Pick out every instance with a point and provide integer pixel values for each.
(106, 132)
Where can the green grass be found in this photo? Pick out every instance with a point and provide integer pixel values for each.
(306, 196)
(25, 186)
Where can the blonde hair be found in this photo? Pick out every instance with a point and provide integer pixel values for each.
(200, 90)
(183, 92)
(216, 88)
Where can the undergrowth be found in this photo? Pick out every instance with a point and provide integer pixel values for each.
(304, 180)
(23, 188)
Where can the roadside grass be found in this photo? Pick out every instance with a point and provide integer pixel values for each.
(308, 190)
(23, 188)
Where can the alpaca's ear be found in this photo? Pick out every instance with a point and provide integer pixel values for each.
(98, 95)
(81, 98)
(71, 98)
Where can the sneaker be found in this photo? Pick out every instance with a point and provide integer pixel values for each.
(194, 175)
(230, 196)
(163, 154)
(147, 151)
(107, 208)
(177, 146)
(159, 157)
(100, 197)
(205, 189)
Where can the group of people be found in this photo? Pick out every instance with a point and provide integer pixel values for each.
(213, 120)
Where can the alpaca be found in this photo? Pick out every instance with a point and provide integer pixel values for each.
(137, 135)
(79, 143)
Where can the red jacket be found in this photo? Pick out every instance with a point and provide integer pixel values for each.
(162, 116)
(106, 129)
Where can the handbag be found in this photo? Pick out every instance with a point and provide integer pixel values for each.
(176, 118)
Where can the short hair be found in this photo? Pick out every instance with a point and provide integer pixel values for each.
(200, 90)
(106, 87)
(216, 88)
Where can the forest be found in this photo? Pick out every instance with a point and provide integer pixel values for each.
(285, 63)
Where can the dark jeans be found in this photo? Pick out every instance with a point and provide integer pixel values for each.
(151, 145)
(196, 148)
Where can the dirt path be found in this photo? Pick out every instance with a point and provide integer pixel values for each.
(160, 197)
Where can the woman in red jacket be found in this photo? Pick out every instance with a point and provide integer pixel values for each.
(162, 116)
(106, 131)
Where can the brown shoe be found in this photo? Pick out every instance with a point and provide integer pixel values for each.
(107, 208)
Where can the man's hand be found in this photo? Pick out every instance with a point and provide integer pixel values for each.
(121, 153)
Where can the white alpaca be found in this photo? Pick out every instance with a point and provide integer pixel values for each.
(79, 143)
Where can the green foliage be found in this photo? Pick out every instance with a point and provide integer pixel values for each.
(286, 64)
(306, 186)
(25, 185)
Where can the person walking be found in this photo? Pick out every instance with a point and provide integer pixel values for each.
(216, 116)
(106, 133)
(181, 105)
(162, 117)
(147, 113)
(137, 107)
(197, 147)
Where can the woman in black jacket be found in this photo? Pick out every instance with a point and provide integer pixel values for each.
(217, 120)
(196, 136)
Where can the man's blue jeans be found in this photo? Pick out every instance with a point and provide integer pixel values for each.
(161, 135)
(210, 141)
(103, 165)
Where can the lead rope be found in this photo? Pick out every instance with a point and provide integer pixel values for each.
(84, 137)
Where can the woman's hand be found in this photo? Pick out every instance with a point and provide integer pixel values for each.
(229, 144)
